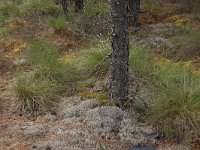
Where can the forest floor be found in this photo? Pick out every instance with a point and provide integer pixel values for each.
(80, 123)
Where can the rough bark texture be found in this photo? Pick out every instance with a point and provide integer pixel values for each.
(134, 12)
(120, 51)
(78, 5)
(64, 5)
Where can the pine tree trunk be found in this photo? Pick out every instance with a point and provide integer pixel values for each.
(64, 5)
(134, 12)
(78, 5)
(120, 52)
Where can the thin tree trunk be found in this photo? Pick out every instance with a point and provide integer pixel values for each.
(120, 52)
(134, 12)
(65, 7)
(78, 5)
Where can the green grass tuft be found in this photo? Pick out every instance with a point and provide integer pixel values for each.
(45, 59)
(58, 23)
(35, 96)
(142, 62)
(95, 59)
(177, 107)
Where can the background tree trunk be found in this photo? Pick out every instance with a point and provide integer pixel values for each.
(64, 5)
(78, 5)
(134, 12)
(120, 51)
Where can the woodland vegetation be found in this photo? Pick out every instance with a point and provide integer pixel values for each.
(140, 57)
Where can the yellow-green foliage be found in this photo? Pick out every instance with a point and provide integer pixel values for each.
(141, 62)
(175, 101)
(45, 7)
(22, 7)
(9, 9)
(177, 106)
(45, 59)
(103, 98)
(95, 59)
(188, 44)
(58, 23)
(95, 8)
(153, 7)
(34, 96)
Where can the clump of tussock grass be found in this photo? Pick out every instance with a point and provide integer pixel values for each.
(187, 41)
(174, 105)
(34, 96)
(48, 64)
(141, 62)
(176, 108)
(58, 23)
(95, 60)
(37, 90)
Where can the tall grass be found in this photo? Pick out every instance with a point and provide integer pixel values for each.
(175, 101)
(142, 62)
(22, 7)
(95, 60)
(45, 58)
(35, 96)
(177, 107)
(50, 75)
(58, 23)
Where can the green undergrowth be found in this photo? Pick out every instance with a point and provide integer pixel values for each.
(94, 20)
(175, 101)
(48, 71)
(35, 96)
(174, 105)
(12, 8)
(95, 60)
(58, 23)
(187, 41)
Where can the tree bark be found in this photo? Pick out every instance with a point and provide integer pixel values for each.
(78, 5)
(134, 12)
(65, 7)
(120, 52)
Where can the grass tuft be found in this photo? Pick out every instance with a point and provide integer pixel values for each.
(141, 62)
(95, 60)
(35, 96)
(177, 108)
(58, 23)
